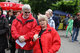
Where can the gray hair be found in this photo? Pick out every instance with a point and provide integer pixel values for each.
(26, 6)
(49, 10)
(43, 17)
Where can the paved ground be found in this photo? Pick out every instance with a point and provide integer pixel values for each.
(66, 45)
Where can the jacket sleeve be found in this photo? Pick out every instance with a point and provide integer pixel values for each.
(14, 32)
(30, 34)
(56, 42)
(53, 24)
(6, 27)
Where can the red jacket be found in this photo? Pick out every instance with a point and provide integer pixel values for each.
(22, 26)
(50, 41)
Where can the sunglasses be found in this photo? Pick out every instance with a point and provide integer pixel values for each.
(27, 12)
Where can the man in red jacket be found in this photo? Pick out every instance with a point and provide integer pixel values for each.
(21, 28)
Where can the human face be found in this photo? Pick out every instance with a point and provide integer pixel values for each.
(47, 14)
(78, 16)
(71, 17)
(26, 13)
(18, 13)
(10, 13)
(43, 23)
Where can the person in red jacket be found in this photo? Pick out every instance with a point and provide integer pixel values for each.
(21, 27)
(46, 38)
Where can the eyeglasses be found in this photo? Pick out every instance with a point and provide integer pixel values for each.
(27, 12)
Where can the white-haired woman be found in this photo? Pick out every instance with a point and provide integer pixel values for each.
(46, 38)
(50, 20)
(21, 27)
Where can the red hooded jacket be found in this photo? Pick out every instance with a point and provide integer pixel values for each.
(22, 26)
(50, 41)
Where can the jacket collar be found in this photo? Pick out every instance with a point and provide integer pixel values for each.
(47, 30)
(29, 19)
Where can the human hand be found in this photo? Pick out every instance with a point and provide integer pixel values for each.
(48, 52)
(9, 24)
(21, 39)
(35, 37)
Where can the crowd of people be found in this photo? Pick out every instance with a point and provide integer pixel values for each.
(39, 35)
(72, 23)
(23, 27)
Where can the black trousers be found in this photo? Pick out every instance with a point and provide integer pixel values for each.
(25, 51)
(3, 51)
(12, 50)
(12, 46)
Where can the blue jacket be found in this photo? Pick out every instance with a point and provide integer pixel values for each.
(56, 20)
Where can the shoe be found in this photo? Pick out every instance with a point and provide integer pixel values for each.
(67, 37)
(72, 40)
(76, 40)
